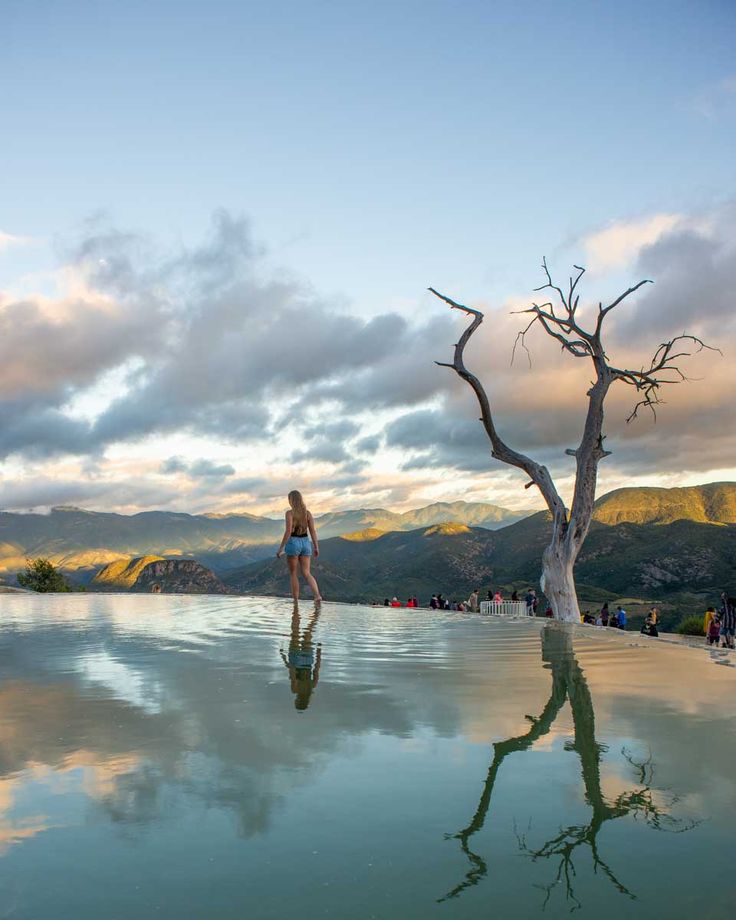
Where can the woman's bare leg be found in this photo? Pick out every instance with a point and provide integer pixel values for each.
(293, 563)
(305, 562)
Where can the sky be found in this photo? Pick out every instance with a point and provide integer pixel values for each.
(218, 222)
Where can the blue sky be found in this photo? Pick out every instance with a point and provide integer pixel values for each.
(374, 148)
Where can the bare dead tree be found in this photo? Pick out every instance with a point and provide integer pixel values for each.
(561, 322)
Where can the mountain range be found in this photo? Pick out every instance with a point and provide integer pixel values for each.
(80, 541)
(673, 545)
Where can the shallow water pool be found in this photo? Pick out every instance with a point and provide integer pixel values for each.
(209, 757)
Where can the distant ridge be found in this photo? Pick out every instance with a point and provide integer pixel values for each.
(363, 536)
(714, 503)
(447, 529)
(472, 514)
(82, 542)
(627, 549)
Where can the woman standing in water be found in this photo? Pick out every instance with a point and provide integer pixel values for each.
(297, 545)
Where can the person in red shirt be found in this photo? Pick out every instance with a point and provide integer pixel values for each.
(396, 602)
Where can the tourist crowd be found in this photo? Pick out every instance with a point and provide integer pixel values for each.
(471, 605)
(615, 620)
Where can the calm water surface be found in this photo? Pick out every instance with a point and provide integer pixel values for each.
(216, 758)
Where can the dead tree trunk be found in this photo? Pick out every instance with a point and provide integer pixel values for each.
(570, 527)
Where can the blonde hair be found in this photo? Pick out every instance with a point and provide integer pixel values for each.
(300, 515)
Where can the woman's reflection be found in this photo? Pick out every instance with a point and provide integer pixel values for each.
(303, 663)
(569, 684)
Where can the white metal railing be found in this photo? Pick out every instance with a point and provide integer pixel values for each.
(505, 608)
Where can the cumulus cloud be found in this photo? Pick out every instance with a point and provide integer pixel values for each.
(209, 342)
(47, 491)
(214, 342)
(616, 245)
(328, 442)
(369, 444)
(694, 267)
(197, 469)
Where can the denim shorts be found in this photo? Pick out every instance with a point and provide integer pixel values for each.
(298, 546)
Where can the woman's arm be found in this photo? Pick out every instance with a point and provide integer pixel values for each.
(287, 534)
(312, 533)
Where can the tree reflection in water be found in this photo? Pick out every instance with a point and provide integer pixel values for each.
(645, 801)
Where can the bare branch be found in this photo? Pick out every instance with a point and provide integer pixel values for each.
(552, 286)
(520, 340)
(500, 450)
(603, 311)
(662, 370)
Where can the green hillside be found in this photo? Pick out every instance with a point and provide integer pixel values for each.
(177, 576)
(400, 563)
(714, 503)
(123, 573)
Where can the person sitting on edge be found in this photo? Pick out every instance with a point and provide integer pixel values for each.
(386, 602)
(395, 602)
(549, 613)
(433, 602)
(613, 622)
(650, 627)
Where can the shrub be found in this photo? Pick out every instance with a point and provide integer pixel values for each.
(691, 626)
(40, 575)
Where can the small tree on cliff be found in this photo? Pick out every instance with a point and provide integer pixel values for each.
(560, 322)
(42, 576)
